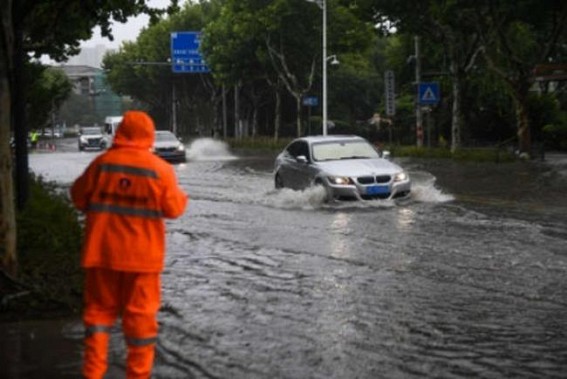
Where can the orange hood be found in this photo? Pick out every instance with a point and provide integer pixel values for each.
(136, 130)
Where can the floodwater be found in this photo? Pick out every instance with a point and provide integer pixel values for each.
(467, 279)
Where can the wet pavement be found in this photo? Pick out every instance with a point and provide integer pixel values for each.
(467, 279)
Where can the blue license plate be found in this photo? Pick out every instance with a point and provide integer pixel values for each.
(377, 190)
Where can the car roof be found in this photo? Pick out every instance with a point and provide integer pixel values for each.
(329, 138)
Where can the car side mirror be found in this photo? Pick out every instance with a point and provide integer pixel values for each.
(301, 159)
(386, 154)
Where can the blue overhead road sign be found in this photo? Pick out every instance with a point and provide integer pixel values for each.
(429, 93)
(185, 54)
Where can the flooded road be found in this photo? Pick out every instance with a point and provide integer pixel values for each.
(467, 279)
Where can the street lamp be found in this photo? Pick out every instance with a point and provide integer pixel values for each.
(323, 5)
(333, 59)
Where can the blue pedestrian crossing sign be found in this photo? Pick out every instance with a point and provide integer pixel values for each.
(429, 93)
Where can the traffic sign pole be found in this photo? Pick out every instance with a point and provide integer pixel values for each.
(390, 93)
(418, 118)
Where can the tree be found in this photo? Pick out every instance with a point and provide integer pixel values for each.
(280, 42)
(516, 37)
(449, 24)
(142, 70)
(47, 90)
(33, 28)
(235, 49)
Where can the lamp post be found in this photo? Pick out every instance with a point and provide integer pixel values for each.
(323, 5)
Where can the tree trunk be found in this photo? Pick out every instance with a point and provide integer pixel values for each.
(254, 122)
(456, 117)
(9, 262)
(236, 113)
(298, 111)
(524, 134)
(278, 116)
(224, 116)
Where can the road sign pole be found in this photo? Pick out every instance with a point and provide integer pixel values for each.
(390, 93)
(418, 117)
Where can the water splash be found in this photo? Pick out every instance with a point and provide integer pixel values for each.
(423, 189)
(428, 193)
(203, 149)
(309, 198)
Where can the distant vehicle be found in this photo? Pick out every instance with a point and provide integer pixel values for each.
(110, 125)
(346, 166)
(51, 133)
(169, 147)
(91, 138)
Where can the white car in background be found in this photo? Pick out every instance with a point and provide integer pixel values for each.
(91, 138)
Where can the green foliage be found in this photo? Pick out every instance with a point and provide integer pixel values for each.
(544, 110)
(474, 155)
(494, 154)
(47, 89)
(555, 135)
(49, 241)
(56, 28)
(235, 41)
(262, 143)
(141, 70)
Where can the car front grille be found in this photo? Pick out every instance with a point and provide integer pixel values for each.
(365, 180)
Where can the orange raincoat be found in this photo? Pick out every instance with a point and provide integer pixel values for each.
(125, 192)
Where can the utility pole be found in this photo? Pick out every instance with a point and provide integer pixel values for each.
(418, 116)
(173, 109)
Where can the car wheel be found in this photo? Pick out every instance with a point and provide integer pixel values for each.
(279, 182)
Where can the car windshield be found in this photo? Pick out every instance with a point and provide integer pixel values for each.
(90, 131)
(160, 136)
(328, 151)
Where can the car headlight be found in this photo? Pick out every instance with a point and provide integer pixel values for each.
(83, 139)
(181, 147)
(400, 177)
(340, 180)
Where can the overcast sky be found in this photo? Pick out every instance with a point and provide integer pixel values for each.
(128, 31)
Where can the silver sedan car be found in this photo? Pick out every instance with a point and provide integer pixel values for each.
(347, 166)
(169, 147)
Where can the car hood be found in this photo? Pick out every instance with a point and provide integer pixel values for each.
(359, 167)
(165, 144)
(91, 136)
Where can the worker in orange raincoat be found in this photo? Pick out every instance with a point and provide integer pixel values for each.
(126, 193)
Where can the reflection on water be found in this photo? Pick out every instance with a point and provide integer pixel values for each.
(339, 229)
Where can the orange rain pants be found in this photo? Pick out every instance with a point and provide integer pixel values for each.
(135, 296)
